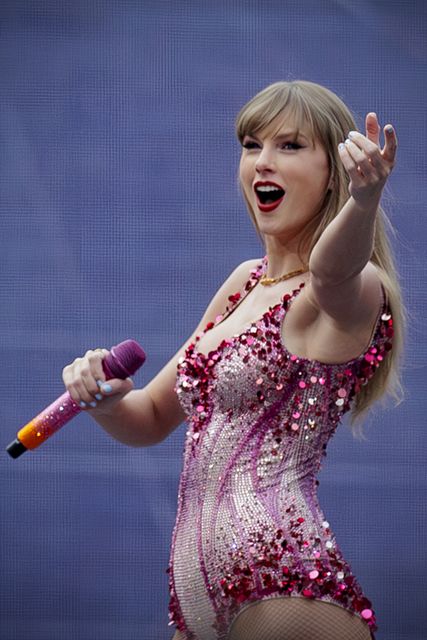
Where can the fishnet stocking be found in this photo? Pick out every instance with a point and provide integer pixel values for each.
(294, 618)
(297, 619)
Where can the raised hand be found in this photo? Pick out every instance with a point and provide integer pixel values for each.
(367, 165)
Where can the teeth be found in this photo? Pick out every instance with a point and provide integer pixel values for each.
(268, 187)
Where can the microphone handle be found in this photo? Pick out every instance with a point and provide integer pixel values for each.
(123, 360)
(45, 424)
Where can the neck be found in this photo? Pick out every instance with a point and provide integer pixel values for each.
(283, 259)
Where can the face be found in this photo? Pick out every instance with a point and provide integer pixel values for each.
(284, 179)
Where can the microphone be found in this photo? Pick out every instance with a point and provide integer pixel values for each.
(122, 361)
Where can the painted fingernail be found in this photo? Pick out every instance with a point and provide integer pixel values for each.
(99, 383)
(389, 129)
(347, 141)
(351, 134)
(93, 404)
(341, 146)
(107, 388)
(82, 404)
(98, 396)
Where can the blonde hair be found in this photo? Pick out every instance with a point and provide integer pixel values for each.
(327, 120)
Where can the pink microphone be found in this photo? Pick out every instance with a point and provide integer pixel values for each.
(122, 362)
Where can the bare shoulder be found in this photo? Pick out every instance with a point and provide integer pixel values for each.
(232, 284)
(242, 272)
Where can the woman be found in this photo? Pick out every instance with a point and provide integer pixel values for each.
(288, 344)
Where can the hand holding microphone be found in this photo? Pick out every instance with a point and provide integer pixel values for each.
(85, 381)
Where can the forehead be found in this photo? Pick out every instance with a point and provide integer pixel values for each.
(288, 124)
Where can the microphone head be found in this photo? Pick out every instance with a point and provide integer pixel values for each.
(123, 360)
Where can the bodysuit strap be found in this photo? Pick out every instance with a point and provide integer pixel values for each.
(236, 298)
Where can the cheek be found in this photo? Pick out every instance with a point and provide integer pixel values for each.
(320, 178)
(245, 176)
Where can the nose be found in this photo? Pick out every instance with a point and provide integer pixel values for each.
(265, 160)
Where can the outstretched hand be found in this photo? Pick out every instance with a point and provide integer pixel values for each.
(367, 165)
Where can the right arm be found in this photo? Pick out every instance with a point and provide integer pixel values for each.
(142, 417)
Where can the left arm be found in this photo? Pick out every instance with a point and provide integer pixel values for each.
(342, 280)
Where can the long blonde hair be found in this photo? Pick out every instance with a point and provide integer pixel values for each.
(327, 119)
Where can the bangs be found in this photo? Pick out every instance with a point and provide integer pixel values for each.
(278, 105)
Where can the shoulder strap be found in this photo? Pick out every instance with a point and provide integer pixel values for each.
(236, 298)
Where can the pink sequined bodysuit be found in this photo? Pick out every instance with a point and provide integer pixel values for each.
(249, 525)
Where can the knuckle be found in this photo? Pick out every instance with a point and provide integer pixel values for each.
(93, 389)
(85, 371)
(73, 393)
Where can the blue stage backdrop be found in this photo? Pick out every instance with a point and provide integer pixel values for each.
(120, 217)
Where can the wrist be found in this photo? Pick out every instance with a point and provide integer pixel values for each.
(364, 208)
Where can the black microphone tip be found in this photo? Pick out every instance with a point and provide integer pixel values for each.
(16, 449)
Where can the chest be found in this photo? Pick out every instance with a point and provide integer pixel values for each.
(253, 308)
(304, 331)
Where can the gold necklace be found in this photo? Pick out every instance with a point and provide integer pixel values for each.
(266, 282)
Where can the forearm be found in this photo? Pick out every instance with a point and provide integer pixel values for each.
(132, 421)
(346, 245)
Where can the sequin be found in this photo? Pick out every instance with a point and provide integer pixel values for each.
(259, 421)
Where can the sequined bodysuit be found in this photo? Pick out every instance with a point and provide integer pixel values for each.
(249, 525)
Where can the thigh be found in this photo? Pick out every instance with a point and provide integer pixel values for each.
(178, 636)
(296, 618)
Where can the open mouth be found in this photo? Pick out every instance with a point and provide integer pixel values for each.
(269, 196)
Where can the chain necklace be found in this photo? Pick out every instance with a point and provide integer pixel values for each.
(267, 282)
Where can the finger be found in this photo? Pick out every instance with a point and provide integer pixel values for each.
(359, 157)
(116, 386)
(95, 358)
(372, 128)
(389, 151)
(92, 373)
(80, 394)
(68, 379)
(369, 149)
(349, 163)
(76, 387)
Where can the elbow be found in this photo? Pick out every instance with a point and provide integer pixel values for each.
(330, 273)
(328, 279)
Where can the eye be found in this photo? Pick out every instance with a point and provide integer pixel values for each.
(249, 144)
(291, 145)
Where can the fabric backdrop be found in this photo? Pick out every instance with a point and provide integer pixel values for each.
(120, 217)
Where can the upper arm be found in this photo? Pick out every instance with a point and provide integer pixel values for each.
(167, 411)
(352, 303)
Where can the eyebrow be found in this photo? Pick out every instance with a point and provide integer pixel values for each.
(284, 136)
(290, 134)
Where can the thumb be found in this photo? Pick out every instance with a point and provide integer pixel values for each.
(372, 128)
(115, 387)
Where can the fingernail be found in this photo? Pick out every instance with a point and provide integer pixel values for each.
(106, 388)
(93, 404)
(99, 383)
(389, 129)
(347, 141)
(98, 396)
(351, 134)
(82, 404)
(341, 146)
